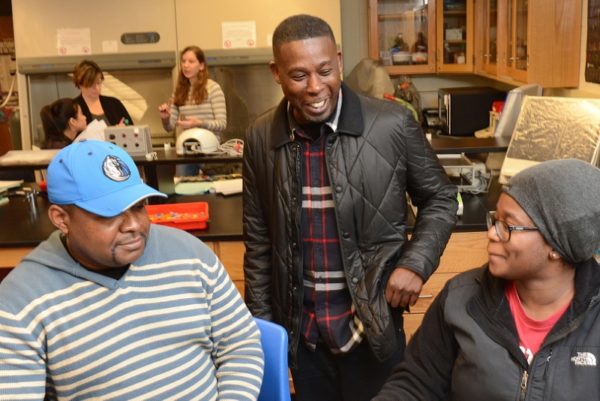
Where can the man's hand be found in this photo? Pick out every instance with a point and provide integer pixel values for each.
(403, 287)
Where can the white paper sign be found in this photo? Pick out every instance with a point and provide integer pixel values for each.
(73, 41)
(239, 34)
(110, 46)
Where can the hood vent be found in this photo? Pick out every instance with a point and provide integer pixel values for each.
(108, 62)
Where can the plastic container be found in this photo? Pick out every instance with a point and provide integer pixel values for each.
(185, 216)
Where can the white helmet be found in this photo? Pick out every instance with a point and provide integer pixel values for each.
(196, 141)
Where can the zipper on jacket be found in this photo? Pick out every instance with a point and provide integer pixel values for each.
(547, 365)
(524, 385)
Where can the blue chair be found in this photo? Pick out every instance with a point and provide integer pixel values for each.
(274, 339)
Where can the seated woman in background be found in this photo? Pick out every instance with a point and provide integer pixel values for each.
(88, 77)
(62, 120)
(526, 325)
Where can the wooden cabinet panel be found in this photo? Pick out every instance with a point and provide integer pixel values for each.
(523, 30)
(412, 19)
(231, 254)
(431, 289)
(446, 27)
(412, 321)
(10, 257)
(463, 252)
(454, 36)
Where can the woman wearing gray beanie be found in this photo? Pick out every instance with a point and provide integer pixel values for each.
(525, 326)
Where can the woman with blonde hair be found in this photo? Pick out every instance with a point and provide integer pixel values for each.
(88, 77)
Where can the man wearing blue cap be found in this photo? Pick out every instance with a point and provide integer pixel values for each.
(112, 307)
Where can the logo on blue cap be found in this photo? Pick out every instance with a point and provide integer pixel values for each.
(115, 169)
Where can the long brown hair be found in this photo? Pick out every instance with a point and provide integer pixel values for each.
(199, 92)
(55, 120)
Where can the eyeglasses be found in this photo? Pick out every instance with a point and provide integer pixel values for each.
(504, 230)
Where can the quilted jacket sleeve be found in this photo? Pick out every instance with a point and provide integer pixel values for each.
(435, 197)
(257, 259)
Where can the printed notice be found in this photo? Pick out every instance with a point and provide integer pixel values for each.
(110, 46)
(239, 34)
(73, 41)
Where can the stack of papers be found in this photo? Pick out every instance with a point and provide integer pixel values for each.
(228, 187)
(94, 130)
(27, 157)
(5, 186)
(225, 187)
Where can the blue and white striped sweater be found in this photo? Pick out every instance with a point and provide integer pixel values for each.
(173, 327)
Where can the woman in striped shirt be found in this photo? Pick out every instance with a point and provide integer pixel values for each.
(198, 101)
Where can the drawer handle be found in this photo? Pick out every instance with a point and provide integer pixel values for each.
(425, 296)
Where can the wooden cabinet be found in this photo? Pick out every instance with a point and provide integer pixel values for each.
(465, 250)
(486, 25)
(532, 41)
(10, 257)
(414, 20)
(454, 36)
(443, 27)
(231, 254)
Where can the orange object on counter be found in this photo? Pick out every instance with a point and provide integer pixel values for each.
(185, 216)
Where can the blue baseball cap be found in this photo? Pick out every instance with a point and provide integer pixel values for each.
(96, 176)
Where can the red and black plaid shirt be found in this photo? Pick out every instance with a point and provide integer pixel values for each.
(328, 314)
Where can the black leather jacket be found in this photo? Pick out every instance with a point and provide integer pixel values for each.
(377, 154)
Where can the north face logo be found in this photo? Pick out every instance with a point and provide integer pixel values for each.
(584, 359)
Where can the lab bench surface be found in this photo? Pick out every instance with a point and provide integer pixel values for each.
(27, 223)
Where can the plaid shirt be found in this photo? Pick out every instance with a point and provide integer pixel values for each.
(328, 312)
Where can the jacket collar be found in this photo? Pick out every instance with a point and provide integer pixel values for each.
(350, 121)
(489, 307)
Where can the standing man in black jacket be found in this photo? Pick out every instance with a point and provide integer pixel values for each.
(327, 255)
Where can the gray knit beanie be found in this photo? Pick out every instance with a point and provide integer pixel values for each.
(562, 197)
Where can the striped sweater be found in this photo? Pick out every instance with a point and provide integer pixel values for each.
(212, 111)
(172, 328)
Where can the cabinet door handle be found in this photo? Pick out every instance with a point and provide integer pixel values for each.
(425, 296)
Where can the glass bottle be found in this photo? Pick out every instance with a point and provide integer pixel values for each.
(399, 51)
(419, 50)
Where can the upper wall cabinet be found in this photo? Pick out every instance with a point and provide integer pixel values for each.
(402, 35)
(422, 36)
(486, 45)
(529, 41)
(455, 36)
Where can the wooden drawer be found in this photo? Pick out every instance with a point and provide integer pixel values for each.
(431, 289)
(10, 257)
(412, 321)
(231, 254)
(464, 252)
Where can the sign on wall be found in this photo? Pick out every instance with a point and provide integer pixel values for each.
(239, 34)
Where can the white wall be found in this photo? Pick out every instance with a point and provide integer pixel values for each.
(199, 22)
(36, 23)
